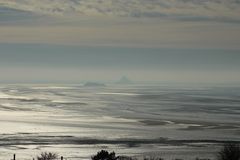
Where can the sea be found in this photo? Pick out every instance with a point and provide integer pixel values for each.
(139, 120)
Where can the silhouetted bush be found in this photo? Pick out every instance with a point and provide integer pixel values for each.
(47, 156)
(104, 155)
(229, 152)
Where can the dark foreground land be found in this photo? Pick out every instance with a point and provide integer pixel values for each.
(229, 151)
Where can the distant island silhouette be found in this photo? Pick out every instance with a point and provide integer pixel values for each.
(94, 84)
(124, 80)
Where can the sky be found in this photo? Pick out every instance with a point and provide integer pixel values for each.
(102, 40)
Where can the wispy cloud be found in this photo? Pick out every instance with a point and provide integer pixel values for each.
(11, 16)
(128, 23)
(217, 10)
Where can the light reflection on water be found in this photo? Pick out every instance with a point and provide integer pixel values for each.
(30, 112)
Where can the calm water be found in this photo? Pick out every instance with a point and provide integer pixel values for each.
(78, 121)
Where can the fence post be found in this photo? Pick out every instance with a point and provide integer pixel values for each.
(61, 157)
(14, 156)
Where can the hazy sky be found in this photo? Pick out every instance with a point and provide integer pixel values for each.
(146, 40)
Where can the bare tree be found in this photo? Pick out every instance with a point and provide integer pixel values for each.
(229, 151)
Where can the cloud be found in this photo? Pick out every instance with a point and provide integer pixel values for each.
(10, 14)
(216, 10)
(125, 23)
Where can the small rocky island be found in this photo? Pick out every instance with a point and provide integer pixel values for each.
(124, 80)
(94, 84)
